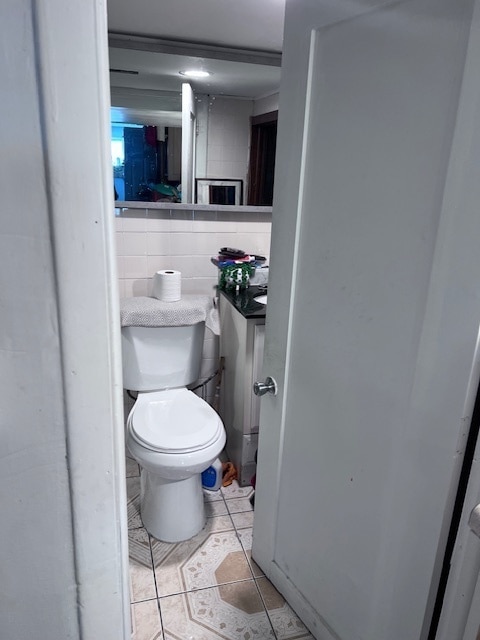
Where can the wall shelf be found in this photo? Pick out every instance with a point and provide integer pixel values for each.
(122, 207)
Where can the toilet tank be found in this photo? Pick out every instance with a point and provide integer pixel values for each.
(157, 358)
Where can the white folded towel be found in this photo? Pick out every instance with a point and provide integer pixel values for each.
(144, 311)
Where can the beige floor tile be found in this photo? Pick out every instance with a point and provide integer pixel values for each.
(239, 505)
(142, 582)
(245, 536)
(236, 491)
(133, 503)
(214, 556)
(243, 520)
(216, 508)
(229, 612)
(286, 624)
(146, 621)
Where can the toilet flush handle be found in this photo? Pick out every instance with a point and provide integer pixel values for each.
(261, 388)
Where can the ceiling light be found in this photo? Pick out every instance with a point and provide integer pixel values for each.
(192, 73)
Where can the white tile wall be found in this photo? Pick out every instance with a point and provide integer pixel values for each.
(149, 240)
(229, 138)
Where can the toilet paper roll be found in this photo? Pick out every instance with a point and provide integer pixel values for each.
(167, 285)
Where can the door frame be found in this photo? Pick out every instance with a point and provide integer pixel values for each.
(259, 127)
(461, 587)
(460, 613)
(79, 187)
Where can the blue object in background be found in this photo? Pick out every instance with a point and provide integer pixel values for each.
(212, 477)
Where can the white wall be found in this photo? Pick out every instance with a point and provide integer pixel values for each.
(229, 138)
(266, 105)
(148, 240)
(62, 524)
(36, 527)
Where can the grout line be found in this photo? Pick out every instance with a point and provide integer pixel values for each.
(234, 528)
(144, 600)
(155, 583)
(241, 511)
(245, 554)
(160, 617)
(266, 610)
(213, 586)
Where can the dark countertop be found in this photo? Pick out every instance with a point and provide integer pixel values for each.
(244, 301)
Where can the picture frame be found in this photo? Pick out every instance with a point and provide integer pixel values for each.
(220, 191)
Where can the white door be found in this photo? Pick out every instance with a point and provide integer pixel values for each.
(188, 143)
(373, 311)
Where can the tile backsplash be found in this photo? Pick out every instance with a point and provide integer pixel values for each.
(152, 239)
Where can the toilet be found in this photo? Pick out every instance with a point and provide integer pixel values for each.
(172, 433)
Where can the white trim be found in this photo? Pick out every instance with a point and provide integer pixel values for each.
(80, 198)
(123, 206)
(175, 47)
(203, 189)
(189, 128)
(461, 187)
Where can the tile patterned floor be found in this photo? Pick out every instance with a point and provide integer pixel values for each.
(206, 588)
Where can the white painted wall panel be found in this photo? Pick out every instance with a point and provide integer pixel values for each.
(36, 539)
(62, 530)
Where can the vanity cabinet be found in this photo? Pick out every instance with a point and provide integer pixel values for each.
(242, 338)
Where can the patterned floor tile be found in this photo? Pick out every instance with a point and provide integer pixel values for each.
(216, 508)
(236, 491)
(212, 557)
(133, 503)
(243, 520)
(142, 582)
(245, 536)
(146, 623)
(239, 505)
(229, 612)
(286, 623)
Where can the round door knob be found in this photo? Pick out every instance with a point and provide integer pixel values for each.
(261, 388)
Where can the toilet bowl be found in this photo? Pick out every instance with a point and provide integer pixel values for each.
(173, 435)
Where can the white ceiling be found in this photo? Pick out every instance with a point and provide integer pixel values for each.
(246, 24)
(219, 36)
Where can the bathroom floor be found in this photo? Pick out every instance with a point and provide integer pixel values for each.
(206, 588)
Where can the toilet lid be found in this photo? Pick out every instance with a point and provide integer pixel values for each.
(175, 421)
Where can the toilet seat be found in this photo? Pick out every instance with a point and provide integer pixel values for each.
(174, 421)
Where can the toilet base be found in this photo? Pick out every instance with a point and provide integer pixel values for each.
(172, 511)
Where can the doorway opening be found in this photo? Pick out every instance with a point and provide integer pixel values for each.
(262, 159)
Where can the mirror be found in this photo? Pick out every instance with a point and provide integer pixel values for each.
(146, 95)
